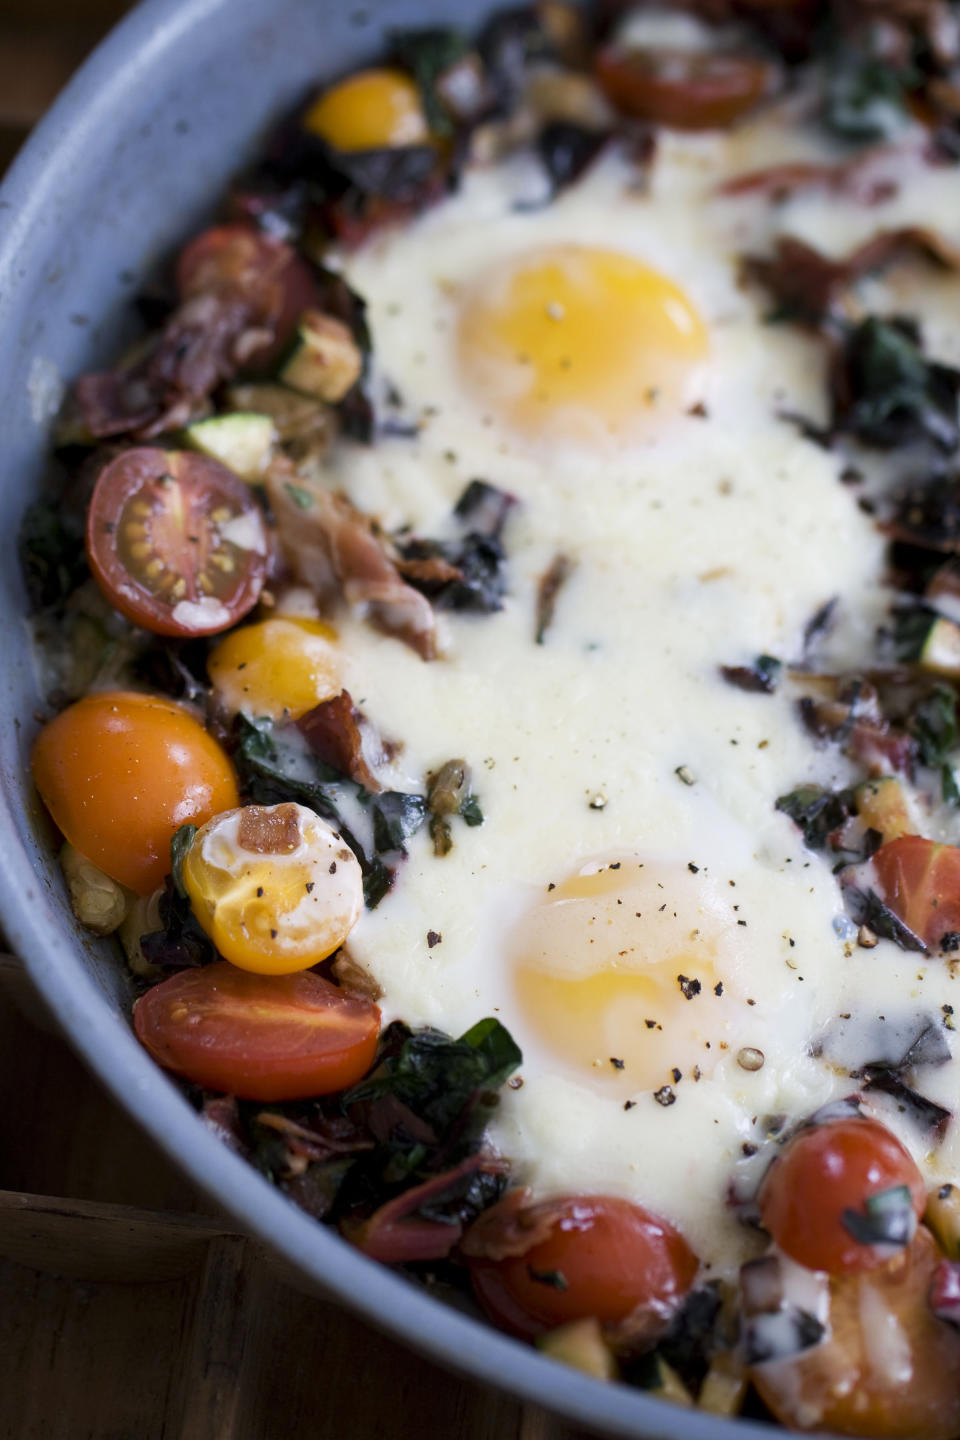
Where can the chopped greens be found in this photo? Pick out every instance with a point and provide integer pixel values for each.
(428, 54)
(817, 812)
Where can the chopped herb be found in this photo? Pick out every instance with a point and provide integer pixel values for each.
(933, 724)
(299, 496)
(887, 1219)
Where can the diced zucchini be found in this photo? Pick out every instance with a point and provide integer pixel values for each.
(242, 442)
(582, 1346)
(942, 1215)
(326, 360)
(941, 648)
(724, 1386)
(882, 805)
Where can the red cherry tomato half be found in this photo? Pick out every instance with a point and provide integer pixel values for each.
(176, 541)
(593, 1256)
(920, 882)
(823, 1172)
(684, 91)
(262, 1037)
(265, 271)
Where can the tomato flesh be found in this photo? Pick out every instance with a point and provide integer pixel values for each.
(887, 1367)
(176, 541)
(280, 1037)
(823, 1172)
(121, 772)
(683, 91)
(919, 881)
(261, 269)
(602, 1258)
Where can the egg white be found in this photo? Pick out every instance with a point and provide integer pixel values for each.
(712, 541)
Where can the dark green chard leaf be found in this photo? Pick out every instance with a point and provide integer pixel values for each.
(179, 845)
(53, 558)
(887, 393)
(396, 816)
(866, 96)
(274, 766)
(496, 1049)
(817, 812)
(933, 724)
(428, 54)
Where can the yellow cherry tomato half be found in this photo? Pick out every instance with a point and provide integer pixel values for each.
(370, 111)
(121, 772)
(274, 886)
(280, 667)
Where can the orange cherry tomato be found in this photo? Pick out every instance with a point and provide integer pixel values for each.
(279, 1037)
(824, 1172)
(684, 91)
(887, 1366)
(120, 773)
(263, 271)
(593, 1257)
(176, 541)
(920, 882)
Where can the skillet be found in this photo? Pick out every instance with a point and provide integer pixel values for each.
(133, 155)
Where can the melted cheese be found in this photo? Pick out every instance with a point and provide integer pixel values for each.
(712, 541)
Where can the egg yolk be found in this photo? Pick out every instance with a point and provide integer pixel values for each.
(275, 887)
(372, 110)
(626, 972)
(279, 668)
(576, 344)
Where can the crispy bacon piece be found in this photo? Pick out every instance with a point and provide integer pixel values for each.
(335, 732)
(512, 1227)
(811, 285)
(869, 178)
(397, 1235)
(240, 295)
(337, 551)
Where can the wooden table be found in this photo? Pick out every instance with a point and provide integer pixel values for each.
(128, 1311)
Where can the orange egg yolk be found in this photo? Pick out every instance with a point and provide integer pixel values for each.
(372, 110)
(571, 343)
(279, 668)
(623, 973)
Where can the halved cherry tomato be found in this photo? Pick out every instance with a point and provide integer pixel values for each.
(887, 1366)
(686, 91)
(920, 882)
(176, 541)
(120, 773)
(586, 1256)
(275, 887)
(266, 272)
(279, 1037)
(824, 1172)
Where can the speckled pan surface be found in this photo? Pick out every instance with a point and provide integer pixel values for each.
(133, 155)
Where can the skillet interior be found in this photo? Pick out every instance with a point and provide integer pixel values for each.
(134, 153)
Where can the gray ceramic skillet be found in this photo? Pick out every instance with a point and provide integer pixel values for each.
(134, 154)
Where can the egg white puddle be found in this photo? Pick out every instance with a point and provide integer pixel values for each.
(712, 541)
